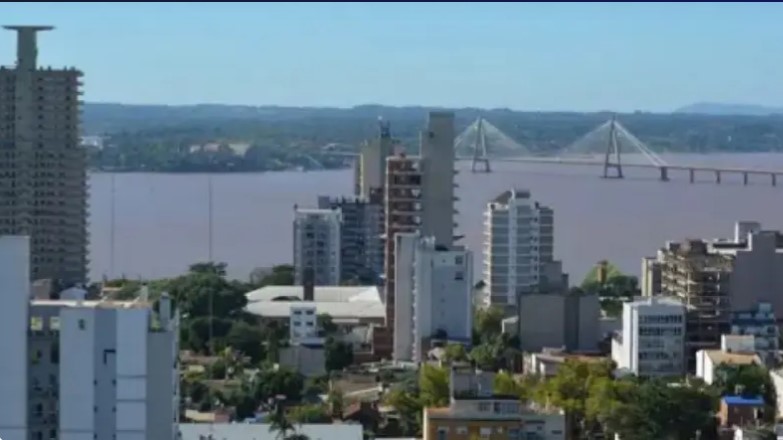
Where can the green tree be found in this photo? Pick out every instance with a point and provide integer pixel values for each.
(489, 322)
(204, 289)
(455, 353)
(326, 324)
(570, 388)
(248, 339)
(409, 407)
(506, 384)
(338, 354)
(433, 385)
(272, 383)
(310, 414)
(747, 380)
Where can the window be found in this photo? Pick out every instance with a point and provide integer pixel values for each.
(458, 260)
(459, 276)
(486, 432)
(443, 433)
(82, 324)
(462, 430)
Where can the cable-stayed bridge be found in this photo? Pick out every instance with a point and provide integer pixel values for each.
(482, 143)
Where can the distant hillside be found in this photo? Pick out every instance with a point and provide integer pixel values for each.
(311, 128)
(710, 108)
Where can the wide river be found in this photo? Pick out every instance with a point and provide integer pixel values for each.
(162, 220)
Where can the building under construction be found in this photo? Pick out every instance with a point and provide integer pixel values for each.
(701, 280)
(43, 177)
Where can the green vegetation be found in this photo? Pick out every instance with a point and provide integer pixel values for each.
(243, 138)
(615, 289)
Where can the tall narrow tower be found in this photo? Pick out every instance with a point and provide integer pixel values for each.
(43, 168)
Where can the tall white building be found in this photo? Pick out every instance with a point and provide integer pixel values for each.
(518, 248)
(317, 245)
(14, 325)
(433, 295)
(652, 342)
(75, 369)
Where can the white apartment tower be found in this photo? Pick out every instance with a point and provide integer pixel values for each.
(76, 369)
(44, 167)
(434, 287)
(518, 247)
(317, 245)
(652, 342)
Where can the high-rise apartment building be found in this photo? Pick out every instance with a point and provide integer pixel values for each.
(419, 196)
(371, 166)
(317, 245)
(84, 369)
(433, 296)
(361, 236)
(519, 249)
(43, 168)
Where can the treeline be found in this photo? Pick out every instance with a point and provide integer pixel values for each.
(159, 138)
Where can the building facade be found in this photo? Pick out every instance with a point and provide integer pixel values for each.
(554, 320)
(475, 411)
(75, 369)
(761, 324)
(303, 324)
(434, 287)
(371, 166)
(361, 236)
(44, 167)
(317, 246)
(518, 248)
(717, 277)
(652, 342)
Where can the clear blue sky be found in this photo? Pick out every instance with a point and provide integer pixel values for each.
(523, 56)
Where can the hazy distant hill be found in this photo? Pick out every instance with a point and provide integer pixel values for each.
(711, 108)
(697, 128)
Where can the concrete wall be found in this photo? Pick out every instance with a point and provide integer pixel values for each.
(14, 323)
(404, 252)
(559, 320)
(437, 152)
(78, 365)
(308, 361)
(758, 274)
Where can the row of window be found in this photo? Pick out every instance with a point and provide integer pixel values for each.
(660, 319)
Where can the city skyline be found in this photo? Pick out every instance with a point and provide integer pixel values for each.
(653, 57)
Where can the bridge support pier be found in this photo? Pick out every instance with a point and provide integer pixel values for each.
(774, 178)
(664, 174)
(745, 178)
(480, 165)
(717, 176)
(692, 173)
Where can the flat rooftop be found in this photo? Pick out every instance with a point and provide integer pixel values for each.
(340, 302)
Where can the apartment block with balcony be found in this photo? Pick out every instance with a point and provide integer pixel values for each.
(361, 237)
(475, 411)
(433, 297)
(518, 249)
(717, 277)
(652, 341)
(317, 242)
(43, 167)
(760, 324)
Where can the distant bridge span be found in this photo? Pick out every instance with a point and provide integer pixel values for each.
(610, 137)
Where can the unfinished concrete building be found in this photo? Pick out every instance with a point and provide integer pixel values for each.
(700, 279)
(719, 277)
(43, 168)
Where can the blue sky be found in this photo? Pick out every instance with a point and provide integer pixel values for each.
(619, 57)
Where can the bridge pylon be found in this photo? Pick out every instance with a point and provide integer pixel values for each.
(480, 162)
(612, 158)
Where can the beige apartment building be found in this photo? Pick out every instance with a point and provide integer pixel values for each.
(714, 278)
(43, 168)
